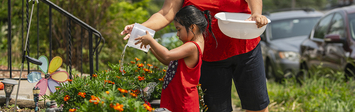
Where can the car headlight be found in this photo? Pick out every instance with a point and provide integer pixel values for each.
(293, 56)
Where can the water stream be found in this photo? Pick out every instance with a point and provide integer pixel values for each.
(122, 56)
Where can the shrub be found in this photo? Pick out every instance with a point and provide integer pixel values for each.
(119, 89)
(110, 90)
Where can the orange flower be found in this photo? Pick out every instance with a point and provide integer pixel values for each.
(161, 79)
(140, 65)
(113, 83)
(141, 78)
(147, 107)
(149, 65)
(69, 80)
(137, 59)
(134, 95)
(57, 89)
(155, 67)
(118, 107)
(146, 70)
(111, 105)
(82, 94)
(136, 91)
(105, 70)
(94, 99)
(122, 90)
(107, 92)
(132, 62)
(94, 75)
(66, 98)
(72, 110)
(164, 70)
(118, 77)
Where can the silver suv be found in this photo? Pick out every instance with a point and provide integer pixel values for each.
(280, 43)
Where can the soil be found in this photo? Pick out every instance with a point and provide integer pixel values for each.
(4, 109)
(5, 72)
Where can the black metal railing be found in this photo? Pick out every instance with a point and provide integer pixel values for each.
(93, 50)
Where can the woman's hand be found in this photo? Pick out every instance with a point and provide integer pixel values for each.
(145, 40)
(127, 30)
(260, 20)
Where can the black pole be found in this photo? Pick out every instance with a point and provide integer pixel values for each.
(9, 37)
(28, 45)
(81, 50)
(69, 49)
(97, 54)
(22, 17)
(37, 33)
(91, 60)
(50, 32)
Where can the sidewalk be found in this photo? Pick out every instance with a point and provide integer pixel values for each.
(25, 94)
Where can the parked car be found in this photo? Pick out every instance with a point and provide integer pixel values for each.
(281, 40)
(331, 42)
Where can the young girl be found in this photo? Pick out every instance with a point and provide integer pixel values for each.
(179, 92)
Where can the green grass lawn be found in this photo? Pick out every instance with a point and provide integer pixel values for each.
(323, 91)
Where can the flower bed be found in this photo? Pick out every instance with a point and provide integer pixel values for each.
(109, 90)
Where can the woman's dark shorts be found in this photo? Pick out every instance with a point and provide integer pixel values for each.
(248, 74)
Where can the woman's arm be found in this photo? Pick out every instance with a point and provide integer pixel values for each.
(164, 16)
(160, 19)
(256, 7)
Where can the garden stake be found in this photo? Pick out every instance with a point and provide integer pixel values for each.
(32, 60)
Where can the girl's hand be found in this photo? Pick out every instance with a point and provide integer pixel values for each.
(260, 20)
(127, 30)
(145, 40)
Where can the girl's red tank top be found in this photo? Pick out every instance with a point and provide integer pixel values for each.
(179, 93)
(227, 46)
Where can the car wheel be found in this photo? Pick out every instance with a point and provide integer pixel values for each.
(302, 74)
(270, 71)
(349, 72)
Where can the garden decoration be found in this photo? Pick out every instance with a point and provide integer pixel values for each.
(36, 97)
(147, 91)
(9, 84)
(52, 76)
(52, 107)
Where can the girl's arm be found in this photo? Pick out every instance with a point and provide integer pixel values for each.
(183, 51)
(159, 58)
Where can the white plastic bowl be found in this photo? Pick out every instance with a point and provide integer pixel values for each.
(235, 26)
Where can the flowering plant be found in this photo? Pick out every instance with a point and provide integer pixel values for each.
(110, 90)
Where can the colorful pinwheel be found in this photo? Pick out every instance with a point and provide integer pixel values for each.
(52, 76)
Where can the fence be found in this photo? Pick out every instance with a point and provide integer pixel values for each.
(94, 47)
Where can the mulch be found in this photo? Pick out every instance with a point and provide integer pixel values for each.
(5, 72)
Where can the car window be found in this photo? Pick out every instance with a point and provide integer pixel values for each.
(322, 27)
(292, 27)
(352, 24)
(337, 26)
